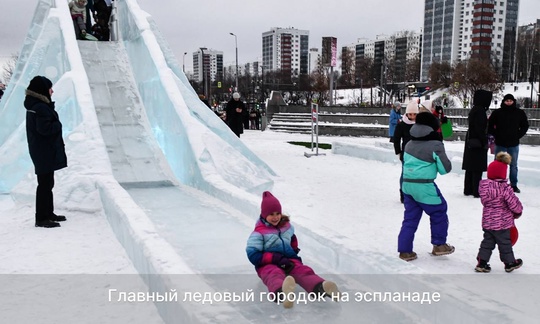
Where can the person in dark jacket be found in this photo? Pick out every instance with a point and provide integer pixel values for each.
(235, 111)
(101, 10)
(476, 143)
(46, 146)
(507, 125)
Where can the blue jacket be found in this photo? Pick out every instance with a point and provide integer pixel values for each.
(267, 239)
(395, 116)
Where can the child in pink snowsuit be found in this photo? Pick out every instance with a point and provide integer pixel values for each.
(501, 207)
(273, 249)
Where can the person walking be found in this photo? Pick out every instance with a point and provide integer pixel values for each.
(46, 147)
(424, 157)
(500, 207)
(395, 117)
(402, 136)
(235, 111)
(476, 143)
(508, 125)
(273, 249)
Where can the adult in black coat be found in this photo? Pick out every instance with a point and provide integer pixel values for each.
(508, 125)
(235, 111)
(476, 143)
(46, 146)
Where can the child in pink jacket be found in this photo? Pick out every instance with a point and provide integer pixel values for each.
(273, 249)
(501, 207)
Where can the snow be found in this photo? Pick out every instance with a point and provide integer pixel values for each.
(520, 90)
(189, 237)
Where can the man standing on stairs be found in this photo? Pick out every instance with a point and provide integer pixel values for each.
(46, 146)
(235, 111)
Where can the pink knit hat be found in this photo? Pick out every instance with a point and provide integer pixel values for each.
(269, 204)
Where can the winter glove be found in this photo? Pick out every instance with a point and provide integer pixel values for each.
(444, 120)
(516, 216)
(284, 263)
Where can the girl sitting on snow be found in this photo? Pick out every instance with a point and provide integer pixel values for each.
(501, 207)
(273, 249)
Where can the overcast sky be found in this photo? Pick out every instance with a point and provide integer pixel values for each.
(188, 26)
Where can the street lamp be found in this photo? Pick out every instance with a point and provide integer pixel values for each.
(236, 46)
(203, 74)
(184, 63)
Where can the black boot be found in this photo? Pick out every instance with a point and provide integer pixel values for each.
(509, 267)
(57, 218)
(482, 266)
(47, 224)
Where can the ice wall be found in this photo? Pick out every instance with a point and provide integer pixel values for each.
(200, 148)
(45, 52)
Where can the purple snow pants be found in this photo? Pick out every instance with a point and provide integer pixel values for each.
(438, 220)
(272, 276)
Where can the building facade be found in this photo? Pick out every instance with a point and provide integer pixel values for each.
(210, 62)
(286, 50)
(389, 57)
(457, 30)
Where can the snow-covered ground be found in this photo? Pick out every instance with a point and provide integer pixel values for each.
(347, 201)
(152, 239)
(520, 90)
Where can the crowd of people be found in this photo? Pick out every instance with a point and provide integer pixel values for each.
(418, 141)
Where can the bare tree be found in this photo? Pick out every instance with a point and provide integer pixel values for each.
(347, 68)
(440, 74)
(9, 68)
(321, 81)
(527, 50)
(412, 69)
(471, 75)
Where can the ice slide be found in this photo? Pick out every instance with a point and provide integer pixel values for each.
(181, 189)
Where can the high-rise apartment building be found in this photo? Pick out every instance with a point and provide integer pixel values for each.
(390, 54)
(211, 62)
(456, 30)
(313, 59)
(285, 49)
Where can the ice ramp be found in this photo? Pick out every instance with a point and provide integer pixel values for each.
(135, 156)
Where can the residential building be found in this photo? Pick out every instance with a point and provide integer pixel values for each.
(390, 56)
(286, 49)
(313, 59)
(527, 65)
(211, 62)
(456, 30)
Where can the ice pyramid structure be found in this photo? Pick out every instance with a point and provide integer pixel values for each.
(134, 90)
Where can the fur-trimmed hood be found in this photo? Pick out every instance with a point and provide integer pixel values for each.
(30, 93)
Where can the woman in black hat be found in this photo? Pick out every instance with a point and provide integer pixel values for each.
(46, 146)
